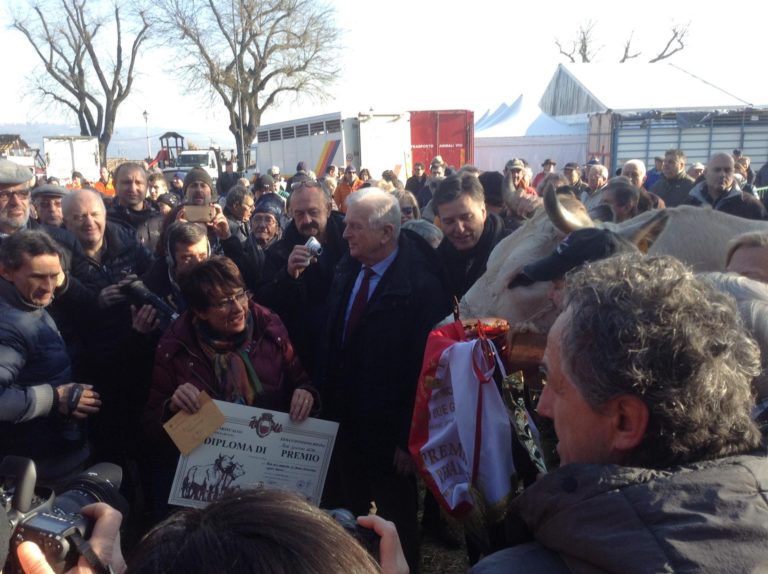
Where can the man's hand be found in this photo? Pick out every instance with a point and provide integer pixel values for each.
(219, 224)
(144, 320)
(299, 259)
(111, 295)
(88, 402)
(105, 542)
(185, 398)
(391, 555)
(403, 462)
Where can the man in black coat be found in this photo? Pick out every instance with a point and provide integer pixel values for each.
(470, 231)
(720, 191)
(386, 296)
(112, 257)
(296, 283)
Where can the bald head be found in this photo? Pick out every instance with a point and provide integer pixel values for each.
(85, 217)
(719, 173)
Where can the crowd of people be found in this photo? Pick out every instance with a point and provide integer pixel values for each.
(652, 372)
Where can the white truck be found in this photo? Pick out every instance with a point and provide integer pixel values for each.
(65, 154)
(368, 140)
(208, 159)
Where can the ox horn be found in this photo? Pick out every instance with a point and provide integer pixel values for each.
(560, 217)
(644, 233)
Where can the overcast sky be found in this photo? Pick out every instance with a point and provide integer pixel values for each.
(425, 54)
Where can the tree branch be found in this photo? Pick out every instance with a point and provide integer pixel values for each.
(679, 33)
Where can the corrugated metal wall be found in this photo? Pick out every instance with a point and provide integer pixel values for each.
(636, 138)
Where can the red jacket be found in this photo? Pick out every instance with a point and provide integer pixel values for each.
(179, 359)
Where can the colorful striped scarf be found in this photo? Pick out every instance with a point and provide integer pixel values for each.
(236, 379)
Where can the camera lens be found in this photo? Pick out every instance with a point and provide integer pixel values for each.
(100, 483)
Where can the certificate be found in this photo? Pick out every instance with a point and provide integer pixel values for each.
(255, 447)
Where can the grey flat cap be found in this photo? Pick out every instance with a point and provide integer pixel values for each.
(13, 174)
(49, 189)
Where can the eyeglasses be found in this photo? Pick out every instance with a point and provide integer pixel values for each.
(407, 210)
(22, 194)
(226, 303)
(263, 220)
(50, 202)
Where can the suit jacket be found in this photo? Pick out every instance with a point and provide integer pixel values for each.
(368, 381)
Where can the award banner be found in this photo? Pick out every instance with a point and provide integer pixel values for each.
(255, 447)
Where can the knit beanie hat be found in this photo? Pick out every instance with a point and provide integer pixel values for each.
(198, 174)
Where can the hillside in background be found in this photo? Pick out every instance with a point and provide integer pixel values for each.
(127, 143)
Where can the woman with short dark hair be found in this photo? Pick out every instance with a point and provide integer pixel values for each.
(230, 347)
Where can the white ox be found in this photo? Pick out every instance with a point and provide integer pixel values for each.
(697, 236)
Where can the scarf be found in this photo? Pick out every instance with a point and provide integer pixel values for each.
(236, 379)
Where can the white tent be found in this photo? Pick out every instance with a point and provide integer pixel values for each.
(522, 130)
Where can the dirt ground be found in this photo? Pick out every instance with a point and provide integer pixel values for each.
(438, 560)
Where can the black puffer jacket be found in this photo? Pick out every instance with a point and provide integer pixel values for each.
(33, 362)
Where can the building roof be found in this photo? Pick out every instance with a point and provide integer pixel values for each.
(9, 141)
(593, 88)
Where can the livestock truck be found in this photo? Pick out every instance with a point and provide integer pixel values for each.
(372, 140)
(447, 133)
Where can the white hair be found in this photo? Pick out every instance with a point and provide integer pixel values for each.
(601, 168)
(385, 207)
(639, 164)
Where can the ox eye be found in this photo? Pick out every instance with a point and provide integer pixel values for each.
(520, 280)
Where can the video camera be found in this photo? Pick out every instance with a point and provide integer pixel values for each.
(53, 522)
(138, 294)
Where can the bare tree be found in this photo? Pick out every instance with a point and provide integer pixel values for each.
(249, 54)
(581, 47)
(83, 74)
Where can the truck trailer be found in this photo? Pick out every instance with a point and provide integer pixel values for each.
(447, 133)
(375, 141)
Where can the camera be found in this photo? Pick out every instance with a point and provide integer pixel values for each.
(138, 294)
(53, 522)
(315, 249)
(367, 538)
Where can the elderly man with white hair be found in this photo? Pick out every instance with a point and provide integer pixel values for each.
(596, 179)
(386, 295)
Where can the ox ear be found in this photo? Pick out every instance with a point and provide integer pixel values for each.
(644, 233)
(562, 218)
